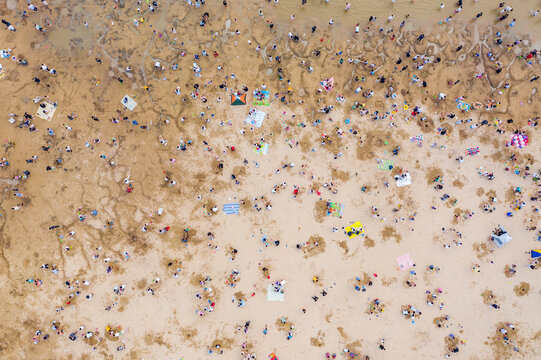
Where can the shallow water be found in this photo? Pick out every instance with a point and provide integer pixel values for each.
(77, 37)
(71, 33)
(423, 13)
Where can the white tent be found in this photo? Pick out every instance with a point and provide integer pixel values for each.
(500, 236)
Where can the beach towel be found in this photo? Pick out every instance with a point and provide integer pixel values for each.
(519, 140)
(416, 138)
(261, 98)
(384, 164)
(47, 112)
(327, 84)
(462, 105)
(273, 295)
(231, 209)
(354, 230)
(403, 179)
(261, 148)
(128, 102)
(472, 151)
(335, 209)
(404, 262)
(255, 117)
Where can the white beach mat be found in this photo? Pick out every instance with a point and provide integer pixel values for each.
(273, 295)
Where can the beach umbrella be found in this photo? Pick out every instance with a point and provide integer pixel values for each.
(535, 253)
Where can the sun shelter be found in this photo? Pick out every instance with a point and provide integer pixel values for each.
(231, 209)
(128, 102)
(335, 209)
(274, 295)
(255, 117)
(238, 99)
(46, 110)
(404, 262)
(355, 230)
(261, 97)
(273, 356)
(403, 179)
(500, 236)
(535, 253)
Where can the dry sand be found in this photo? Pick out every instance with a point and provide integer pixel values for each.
(116, 235)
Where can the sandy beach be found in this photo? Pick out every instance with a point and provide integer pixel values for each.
(270, 179)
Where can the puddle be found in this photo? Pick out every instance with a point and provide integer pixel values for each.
(76, 38)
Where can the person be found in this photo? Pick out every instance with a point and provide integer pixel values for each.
(9, 26)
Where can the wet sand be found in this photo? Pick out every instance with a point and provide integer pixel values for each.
(116, 233)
